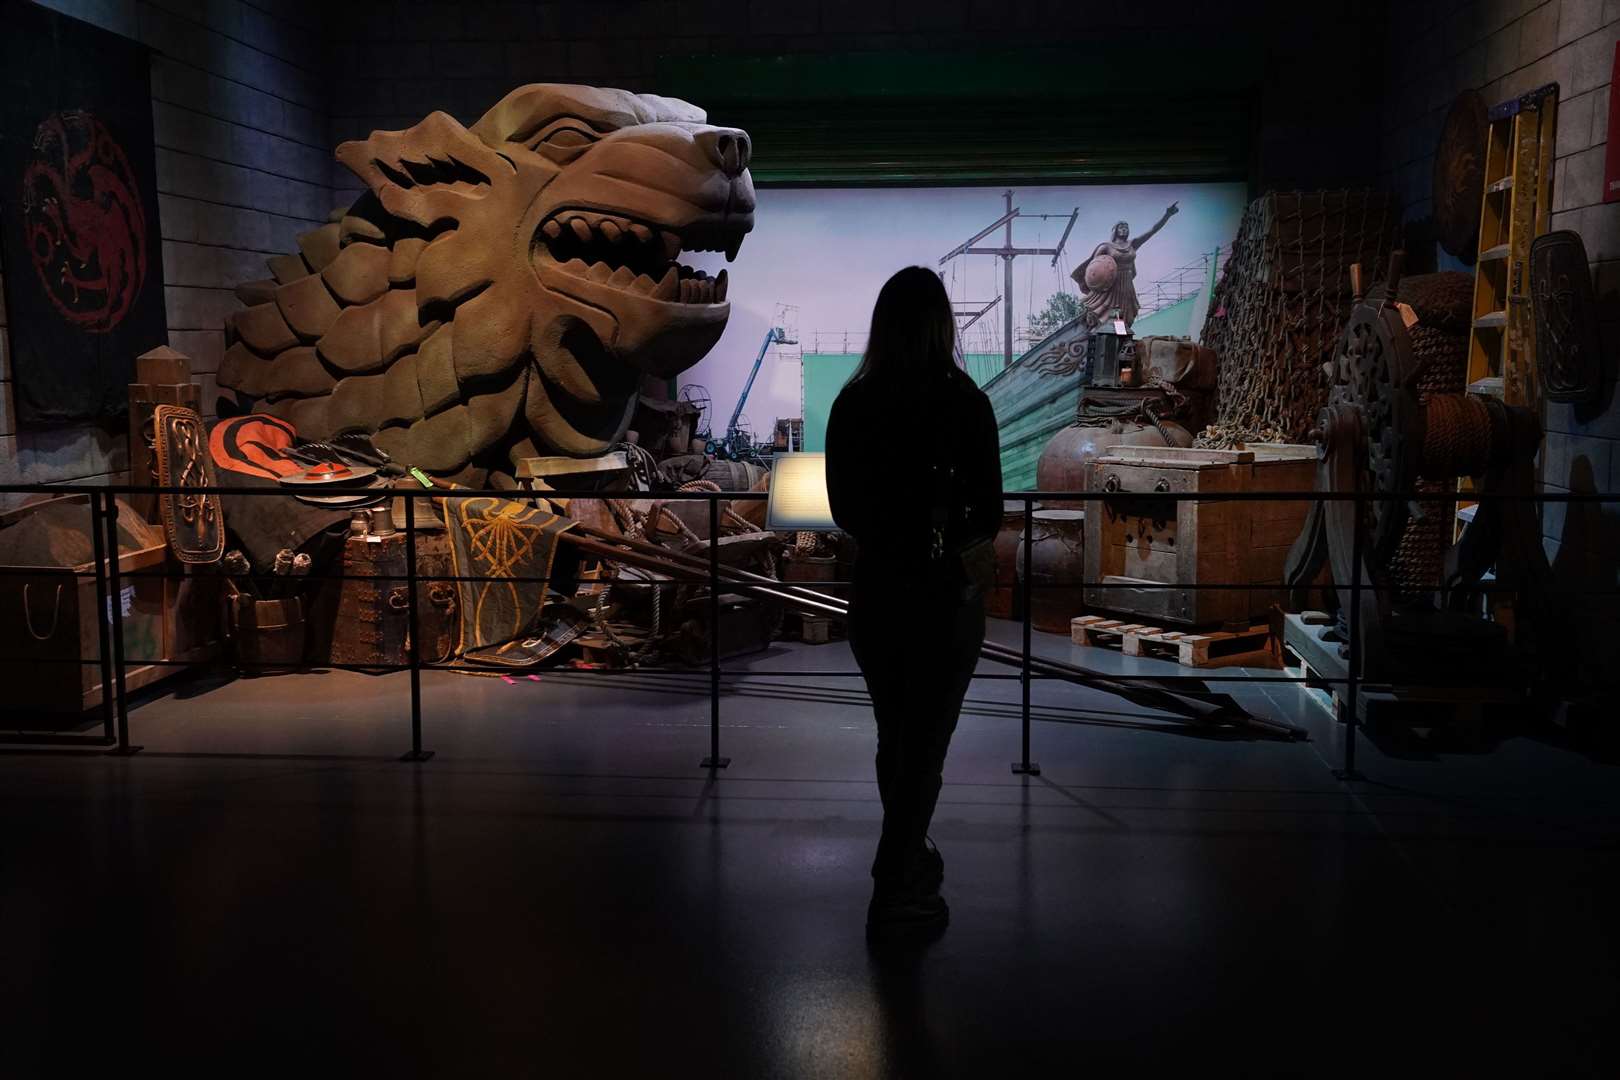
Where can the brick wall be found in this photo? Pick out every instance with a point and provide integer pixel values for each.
(240, 121)
(1503, 48)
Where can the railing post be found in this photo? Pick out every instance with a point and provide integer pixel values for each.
(1352, 683)
(1024, 766)
(98, 543)
(714, 760)
(114, 612)
(413, 651)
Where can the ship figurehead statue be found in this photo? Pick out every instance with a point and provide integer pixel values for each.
(1107, 278)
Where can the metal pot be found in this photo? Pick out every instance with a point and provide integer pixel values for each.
(1001, 602)
(1057, 567)
(1065, 461)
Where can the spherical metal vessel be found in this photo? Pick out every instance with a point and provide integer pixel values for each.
(1101, 272)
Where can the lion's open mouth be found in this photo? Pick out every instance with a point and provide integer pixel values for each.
(636, 256)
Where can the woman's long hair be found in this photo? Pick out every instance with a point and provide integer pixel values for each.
(913, 333)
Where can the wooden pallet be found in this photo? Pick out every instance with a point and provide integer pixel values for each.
(1101, 633)
(1251, 647)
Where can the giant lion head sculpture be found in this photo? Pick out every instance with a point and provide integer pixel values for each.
(501, 289)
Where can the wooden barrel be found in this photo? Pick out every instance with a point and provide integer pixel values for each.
(734, 475)
(1057, 567)
(1001, 602)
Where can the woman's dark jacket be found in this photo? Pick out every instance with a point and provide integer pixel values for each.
(903, 459)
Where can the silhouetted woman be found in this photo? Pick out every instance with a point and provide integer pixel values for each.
(914, 474)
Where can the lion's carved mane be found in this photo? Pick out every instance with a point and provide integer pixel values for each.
(501, 290)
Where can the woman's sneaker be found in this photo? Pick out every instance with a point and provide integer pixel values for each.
(930, 867)
(906, 913)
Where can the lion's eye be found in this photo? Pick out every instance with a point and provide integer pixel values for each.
(567, 138)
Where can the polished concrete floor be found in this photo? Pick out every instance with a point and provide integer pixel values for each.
(562, 892)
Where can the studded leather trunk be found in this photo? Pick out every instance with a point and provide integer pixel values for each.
(373, 616)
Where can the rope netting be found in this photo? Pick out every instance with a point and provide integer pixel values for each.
(1281, 303)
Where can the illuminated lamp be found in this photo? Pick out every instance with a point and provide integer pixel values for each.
(798, 495)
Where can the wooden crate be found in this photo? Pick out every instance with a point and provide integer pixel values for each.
(50, 644)
(1145, 552)
(820, 629)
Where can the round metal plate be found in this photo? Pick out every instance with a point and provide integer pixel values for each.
(349, 476)
(346, 498)
(1459, 176)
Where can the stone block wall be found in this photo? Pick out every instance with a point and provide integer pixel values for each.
(239, 116)
(1504, 48)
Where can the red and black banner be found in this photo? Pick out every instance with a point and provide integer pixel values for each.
(78, 198)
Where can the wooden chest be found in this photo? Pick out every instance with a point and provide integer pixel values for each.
(50, 644)
(1139, 540)
(373, 613)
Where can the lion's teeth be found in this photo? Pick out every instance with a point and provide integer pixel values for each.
(575, 266)
(669, 286)
(599, 272)
(610, 230)
(623, 276)
(582, 228)
(688, 291)
(672, 244)
(643, 284)
(721, 284)
(552, 229)
(640, 232)
(733, 246)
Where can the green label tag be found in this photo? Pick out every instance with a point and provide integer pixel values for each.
(421, 477)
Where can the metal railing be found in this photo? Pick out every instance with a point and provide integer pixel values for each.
(112, 659)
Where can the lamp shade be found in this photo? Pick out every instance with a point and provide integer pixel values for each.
(798, 496)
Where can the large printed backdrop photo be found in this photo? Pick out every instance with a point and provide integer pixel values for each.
(78, 214)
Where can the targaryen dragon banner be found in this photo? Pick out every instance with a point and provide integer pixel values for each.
(82, 252)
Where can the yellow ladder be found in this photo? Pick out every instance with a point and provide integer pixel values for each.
(1517, 204)
(1514, 211)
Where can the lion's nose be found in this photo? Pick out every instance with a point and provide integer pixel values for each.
(728, 148)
